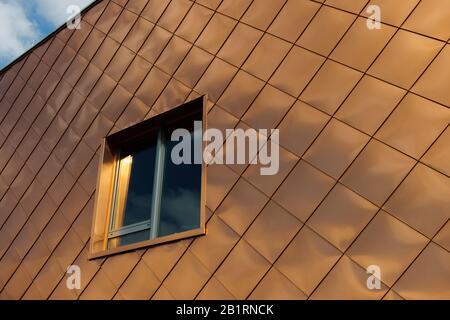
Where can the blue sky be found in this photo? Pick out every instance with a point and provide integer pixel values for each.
(23, 23)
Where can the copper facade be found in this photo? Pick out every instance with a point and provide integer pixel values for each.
(365, 146)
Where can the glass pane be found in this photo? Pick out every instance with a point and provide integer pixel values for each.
(180, 199)
(133, 200)
(129, 239)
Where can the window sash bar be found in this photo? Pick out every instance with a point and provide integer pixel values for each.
(114, 194)
(158, 184)
(132, 228)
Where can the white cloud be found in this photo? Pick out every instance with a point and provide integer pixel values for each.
(23, 23)
(55, 11)
(17, 32)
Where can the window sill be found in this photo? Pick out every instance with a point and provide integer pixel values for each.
(148, 243)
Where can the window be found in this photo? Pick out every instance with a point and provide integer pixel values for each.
(143, 196)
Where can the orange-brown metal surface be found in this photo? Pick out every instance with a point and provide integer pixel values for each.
(364, 149)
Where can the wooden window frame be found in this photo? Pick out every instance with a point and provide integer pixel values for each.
(106, 179)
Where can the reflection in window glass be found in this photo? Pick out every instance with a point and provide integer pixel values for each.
(180, 199)
(134, 186)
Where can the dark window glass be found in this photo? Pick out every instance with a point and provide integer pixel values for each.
(180, 199)
(135, 185)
